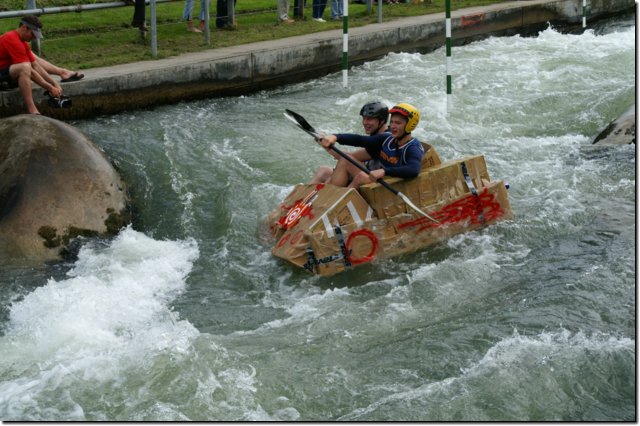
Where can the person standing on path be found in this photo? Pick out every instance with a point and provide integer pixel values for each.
(187, 15)
(139, 15)
(318, 10)
(283, 12)
(337, 9)
(223, 20)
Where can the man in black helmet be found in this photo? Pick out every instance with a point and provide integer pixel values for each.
(374, 121)
(399, 152)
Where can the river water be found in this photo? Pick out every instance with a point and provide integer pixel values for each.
(186, 315)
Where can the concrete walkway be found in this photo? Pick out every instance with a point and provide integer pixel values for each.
(251, 67)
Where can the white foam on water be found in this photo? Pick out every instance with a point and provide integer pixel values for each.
(508, 372)
(303, 305)
(111, 315)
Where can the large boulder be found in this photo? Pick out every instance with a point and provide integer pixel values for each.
(55, 184)
(621, 131)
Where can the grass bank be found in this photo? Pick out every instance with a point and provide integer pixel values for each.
(81, 40)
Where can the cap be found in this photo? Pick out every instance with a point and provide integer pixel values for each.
(33, 23)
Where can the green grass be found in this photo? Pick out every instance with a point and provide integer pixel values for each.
(81, 40)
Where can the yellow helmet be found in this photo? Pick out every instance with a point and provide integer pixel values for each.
(410, 112)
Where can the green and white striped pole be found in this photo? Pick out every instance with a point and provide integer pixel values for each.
(447, 4)
(345, 42)
(584, 13)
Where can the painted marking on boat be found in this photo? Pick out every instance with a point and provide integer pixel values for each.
(467, 208)
(354, 213)
(300, 208)
(369, 214)
(327, 225)
(374, 246)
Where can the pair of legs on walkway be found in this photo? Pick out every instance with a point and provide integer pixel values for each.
(317, 7)
(40, 73)
(222, 14)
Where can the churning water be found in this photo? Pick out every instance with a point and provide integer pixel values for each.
(185, 315)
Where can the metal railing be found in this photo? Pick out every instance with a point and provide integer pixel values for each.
(32, 9)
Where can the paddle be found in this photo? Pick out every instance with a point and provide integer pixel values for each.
(304, 125)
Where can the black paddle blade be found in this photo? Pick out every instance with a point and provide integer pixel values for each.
(290, 117)
(301, 121)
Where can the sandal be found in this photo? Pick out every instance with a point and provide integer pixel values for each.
(74, 77)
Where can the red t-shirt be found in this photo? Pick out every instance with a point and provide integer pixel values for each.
(13, 50)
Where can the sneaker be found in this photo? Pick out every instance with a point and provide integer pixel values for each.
(287, 21)
(319, 20)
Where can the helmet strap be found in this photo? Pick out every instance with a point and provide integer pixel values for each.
(402, 138)
(380, 124)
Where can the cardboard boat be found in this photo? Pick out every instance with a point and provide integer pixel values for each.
(327, 229)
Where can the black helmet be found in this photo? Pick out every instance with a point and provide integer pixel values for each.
(375, 109)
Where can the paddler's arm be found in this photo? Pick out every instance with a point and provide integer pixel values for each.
(351, 139)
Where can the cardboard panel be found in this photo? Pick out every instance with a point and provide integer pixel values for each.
(351, 246)
(405, 233)
(436, 185)
(314, 208)
(464, 214)
(430, 157)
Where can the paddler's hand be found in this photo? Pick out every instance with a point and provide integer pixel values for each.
(326, 141)
(376, 174)
(55, 91)
(319, 137)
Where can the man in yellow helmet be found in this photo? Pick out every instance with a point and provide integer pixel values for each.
(400, 154)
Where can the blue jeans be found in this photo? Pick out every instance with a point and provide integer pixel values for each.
(337, 9)
(187, 13)
(318, 8)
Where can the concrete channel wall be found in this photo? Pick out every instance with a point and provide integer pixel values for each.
(248, 68)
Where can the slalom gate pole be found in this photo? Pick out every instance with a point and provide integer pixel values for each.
(207, 20)
(447, 4)
(345, 43)
(584, 13)
(154, 29)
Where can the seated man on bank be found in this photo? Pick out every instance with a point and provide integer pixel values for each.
(400, 154)
(19, 64)
(374, 121)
